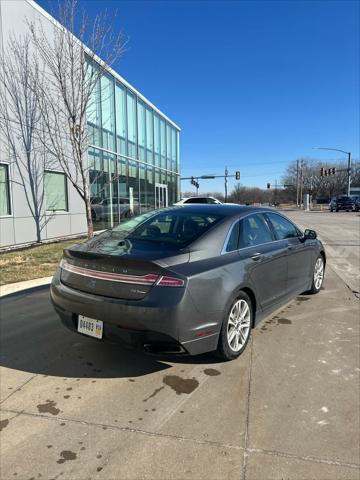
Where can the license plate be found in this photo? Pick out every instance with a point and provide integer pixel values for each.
(90, 326)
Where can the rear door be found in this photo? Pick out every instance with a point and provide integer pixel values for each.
(265, 258)
(299, 252)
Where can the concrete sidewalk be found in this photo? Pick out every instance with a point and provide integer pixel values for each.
(76, 408)
(20, 286)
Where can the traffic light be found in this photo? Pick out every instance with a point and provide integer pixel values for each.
(196, 184)
(333, 170)
(326, 172)
(192, 181)
(268, 185)
(237, 175)
(321, 171)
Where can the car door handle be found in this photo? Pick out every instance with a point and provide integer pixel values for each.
(256, 256)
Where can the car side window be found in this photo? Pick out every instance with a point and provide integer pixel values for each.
(233, 240)
(254, 231)
(282, 227)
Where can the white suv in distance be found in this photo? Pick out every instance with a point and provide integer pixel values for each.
(207, 200)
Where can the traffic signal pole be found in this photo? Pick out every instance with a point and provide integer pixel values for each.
(195, 180)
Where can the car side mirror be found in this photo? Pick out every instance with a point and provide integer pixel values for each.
(309, 234)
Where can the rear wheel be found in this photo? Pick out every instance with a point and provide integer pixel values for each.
(318, 275)
(236, 328)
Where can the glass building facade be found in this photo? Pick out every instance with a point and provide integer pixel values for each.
(133, 155)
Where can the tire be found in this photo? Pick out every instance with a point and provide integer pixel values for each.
(318, 275)
(239, 318)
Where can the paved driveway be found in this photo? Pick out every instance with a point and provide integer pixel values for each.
(75, 408)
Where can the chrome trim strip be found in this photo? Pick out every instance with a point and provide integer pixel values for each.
(148, 279)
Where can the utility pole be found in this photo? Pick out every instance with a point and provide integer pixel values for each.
(301, 180)
(349, 174)
(297, 182)
(225, 182)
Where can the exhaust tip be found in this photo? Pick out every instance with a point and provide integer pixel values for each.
(164, 348)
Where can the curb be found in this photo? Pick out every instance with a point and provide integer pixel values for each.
(20, 286)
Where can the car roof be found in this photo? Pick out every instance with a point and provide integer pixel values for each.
(224, 209)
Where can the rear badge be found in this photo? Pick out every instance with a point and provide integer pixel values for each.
(135, 290)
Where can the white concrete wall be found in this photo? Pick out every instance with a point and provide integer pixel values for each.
(19, 227)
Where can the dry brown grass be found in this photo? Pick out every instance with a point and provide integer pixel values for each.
(34, 262)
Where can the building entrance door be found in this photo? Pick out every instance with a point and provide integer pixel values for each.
(161, 195)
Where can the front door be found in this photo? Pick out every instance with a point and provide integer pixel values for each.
(161, 195)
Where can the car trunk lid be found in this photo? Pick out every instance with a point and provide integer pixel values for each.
(117, 268)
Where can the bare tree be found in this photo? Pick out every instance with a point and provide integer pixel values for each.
(322, 186)
(72, 73)
(20, 124)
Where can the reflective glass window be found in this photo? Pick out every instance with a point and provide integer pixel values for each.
(283, 227)
(157, 139)
(168, 147)
(107, 112)
(93, 115)
(173, 149)
(254, 231)
(141, 130)
(133, 183)
(4, 190)
(233, 240)
(131, 123)
(163, 143)
(55, 187)
(149, 135)
(120, 108)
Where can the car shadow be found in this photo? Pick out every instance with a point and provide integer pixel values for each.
(32, 339)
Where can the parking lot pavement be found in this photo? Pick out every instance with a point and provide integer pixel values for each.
(340, 232)
(76, 408)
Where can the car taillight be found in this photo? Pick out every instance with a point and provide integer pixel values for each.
(170, 282)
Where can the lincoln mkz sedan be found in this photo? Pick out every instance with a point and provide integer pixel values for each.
(187, 279)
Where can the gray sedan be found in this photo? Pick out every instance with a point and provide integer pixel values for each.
(187, 279)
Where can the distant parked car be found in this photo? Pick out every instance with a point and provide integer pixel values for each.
(208, 200)
(342, 203)
(101, 208)
(356, 199)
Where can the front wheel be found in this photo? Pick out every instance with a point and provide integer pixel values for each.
(236, 328)
(318, 275)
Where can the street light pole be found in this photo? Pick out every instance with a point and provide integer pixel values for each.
(348, 167)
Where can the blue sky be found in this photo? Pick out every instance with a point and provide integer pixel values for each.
(252, 84)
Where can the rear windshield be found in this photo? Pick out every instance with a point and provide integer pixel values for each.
(171, 228)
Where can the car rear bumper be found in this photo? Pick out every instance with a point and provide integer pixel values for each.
(174, 328)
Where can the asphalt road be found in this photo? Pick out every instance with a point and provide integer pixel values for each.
(76, 408)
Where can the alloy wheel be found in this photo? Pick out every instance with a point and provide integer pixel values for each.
(319, 273)
(238, 327)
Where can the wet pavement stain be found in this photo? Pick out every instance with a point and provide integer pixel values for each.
(155, 392)
(62, 424)
(131, 380)
(49, 446)
(211, 372)
(99, 469)
(68, 389)
(48, 407)
(66, 455)
(302, 299)
(66, 396)
(3, 424)
(284, 321)
(181, 385)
